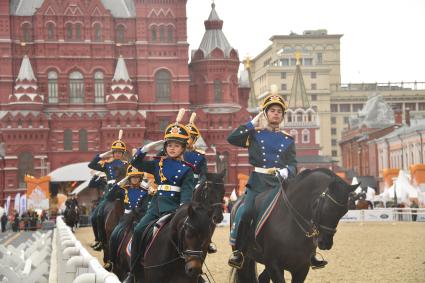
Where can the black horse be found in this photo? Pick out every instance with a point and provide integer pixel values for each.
(306, 215)
(71, 215)
(178, 253)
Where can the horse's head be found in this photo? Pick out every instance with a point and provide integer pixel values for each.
(330, 207)
(194, 237)
(215, 193)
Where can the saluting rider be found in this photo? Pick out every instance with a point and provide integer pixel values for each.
(110, 166)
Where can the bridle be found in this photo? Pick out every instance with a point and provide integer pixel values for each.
(184, 253)
(312, 227)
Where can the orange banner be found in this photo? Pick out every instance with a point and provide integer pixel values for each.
(37, 192)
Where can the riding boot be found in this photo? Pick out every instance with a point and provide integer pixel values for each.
(317, 263)
(99, 247)
(94, 244)
(130, 278)
(212, 248)
(236, 260)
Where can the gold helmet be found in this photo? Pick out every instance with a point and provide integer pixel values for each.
(176, 131)
(193, 130)
(118, 145)
(133, 171)
(273, 99)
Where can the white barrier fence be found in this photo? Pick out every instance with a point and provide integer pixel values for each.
(74, 263)
(27, 262)
(386, 214)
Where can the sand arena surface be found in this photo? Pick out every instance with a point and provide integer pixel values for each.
(362, 252)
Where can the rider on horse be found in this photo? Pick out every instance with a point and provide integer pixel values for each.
(271, 151)
(174, 178)
(135, 197)
(104, 163)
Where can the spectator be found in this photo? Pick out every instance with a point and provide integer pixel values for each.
(414, 206)
(3, 222)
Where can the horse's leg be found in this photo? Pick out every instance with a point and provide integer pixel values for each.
(300, 275)
(276, 273)
(264, 277)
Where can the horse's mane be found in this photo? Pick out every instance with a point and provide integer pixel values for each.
(334, 177)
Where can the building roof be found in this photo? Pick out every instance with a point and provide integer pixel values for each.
(298, 98)
(26, 72)
(118, 8)
(214, 36)
(121, 72)
(416, 125)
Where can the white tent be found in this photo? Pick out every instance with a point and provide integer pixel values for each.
(81, 187)
(402, 188)
(70, 173)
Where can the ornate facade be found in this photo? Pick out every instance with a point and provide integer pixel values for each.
(74, 72)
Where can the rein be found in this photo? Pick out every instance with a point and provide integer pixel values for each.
(311, 228)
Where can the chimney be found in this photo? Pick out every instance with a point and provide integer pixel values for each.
(407, 116)
(398, 116)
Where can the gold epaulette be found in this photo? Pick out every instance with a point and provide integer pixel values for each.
(199, 151)
(286, 134)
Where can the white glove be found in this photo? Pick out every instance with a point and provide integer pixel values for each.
(284, 173)
(123, 181)
(105, 154)
(255, 120)
(151, 145)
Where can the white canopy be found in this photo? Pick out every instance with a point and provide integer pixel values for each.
(81, 187)
(70, 173)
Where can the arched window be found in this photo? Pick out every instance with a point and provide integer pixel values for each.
(161, 34)
(222, 160)
(68, 31)
(52, 78)
(97, 32)
(78, 31)
(83, 140)
(289, 117)
(67, 139)
(27, 32)
(50, 31)
(294, 133)
(76, 87)
(25, 166)
(153, 34)
(163, 85)
(299, 117)
(99, 88)
(170, 34)
(306, 136)
(120, 33)
(218, 91)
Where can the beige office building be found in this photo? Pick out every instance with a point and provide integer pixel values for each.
(334, 101)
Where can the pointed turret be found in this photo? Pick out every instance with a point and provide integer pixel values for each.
(298, 98)
(122, 90)
(26, 89)
(214, 38)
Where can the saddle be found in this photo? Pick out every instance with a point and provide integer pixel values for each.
(150, 233)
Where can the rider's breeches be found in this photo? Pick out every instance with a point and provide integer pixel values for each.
(243, 214)
(136, 244)
(117, 234)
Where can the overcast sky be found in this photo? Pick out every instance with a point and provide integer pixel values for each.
(384, 40)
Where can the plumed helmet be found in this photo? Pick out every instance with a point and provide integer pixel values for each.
(273, 99)
(193, 130)
(176, 132)
(133, 171)
(118, 145)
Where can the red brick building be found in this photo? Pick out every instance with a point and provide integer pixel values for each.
(74, 72)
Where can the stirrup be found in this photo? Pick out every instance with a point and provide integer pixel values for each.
(237, 265)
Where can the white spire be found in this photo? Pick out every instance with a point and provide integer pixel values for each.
(121, 72)
(26, 72)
